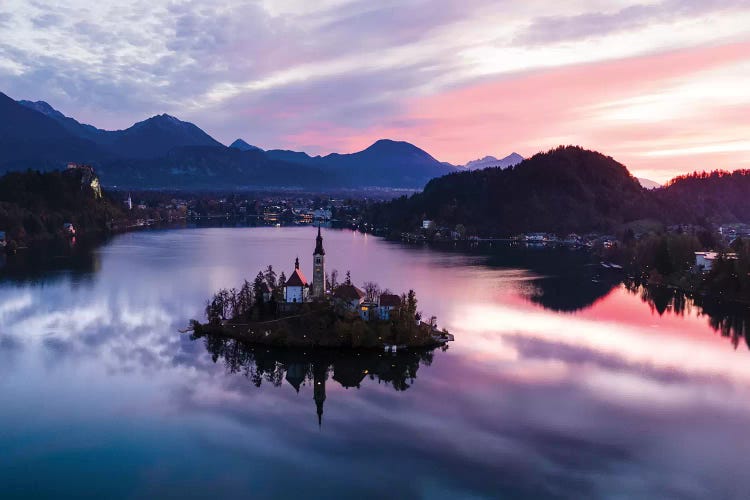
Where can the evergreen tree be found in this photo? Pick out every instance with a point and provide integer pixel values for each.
(270, 276)
(278, 293)
(258, 289)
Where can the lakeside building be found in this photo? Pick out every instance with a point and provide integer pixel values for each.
(348, 296)
(704, 261)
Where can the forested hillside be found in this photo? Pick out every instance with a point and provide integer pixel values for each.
(568, 189)
(35, 205)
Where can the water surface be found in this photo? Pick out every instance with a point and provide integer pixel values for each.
(561, 383)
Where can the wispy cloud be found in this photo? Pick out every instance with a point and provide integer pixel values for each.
(281, 73)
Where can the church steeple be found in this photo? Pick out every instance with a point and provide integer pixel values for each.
(320, 375)
(319, 244)
(319, 273)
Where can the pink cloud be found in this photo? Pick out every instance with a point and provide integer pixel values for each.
(539, 110)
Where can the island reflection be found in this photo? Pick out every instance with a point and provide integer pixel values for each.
(317, 367)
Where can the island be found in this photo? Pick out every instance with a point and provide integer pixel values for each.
(291, 312)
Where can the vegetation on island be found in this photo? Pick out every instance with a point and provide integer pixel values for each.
(257, 314)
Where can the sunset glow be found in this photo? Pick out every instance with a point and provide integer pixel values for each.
(659, 85)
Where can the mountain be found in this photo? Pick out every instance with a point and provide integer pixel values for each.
(150, 138)
(568, 189)
(243, 146)
(386, 163)
(648, 183)
(491, 161)
(164, 151)
(71, 125)
(29, 138)
(156, 136)
(209, 167)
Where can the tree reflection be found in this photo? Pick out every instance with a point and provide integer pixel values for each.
(731, 320)
(571, 293)
(52, 261)
(569, 279)
(299, 368)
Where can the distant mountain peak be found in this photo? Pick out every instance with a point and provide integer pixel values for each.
(244, 146)
(390, 146)
(490, 161)
(648, 183)
(42, 107)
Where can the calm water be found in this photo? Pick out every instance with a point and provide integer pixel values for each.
(557, 385)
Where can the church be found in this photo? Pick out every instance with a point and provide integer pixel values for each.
(297, 289)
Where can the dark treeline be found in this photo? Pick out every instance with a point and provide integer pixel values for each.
(669, 259)
(717, 196)
(564, 190)
(34, 206)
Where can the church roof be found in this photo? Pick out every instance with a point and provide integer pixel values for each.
(388, 299)
(295, 375)
(348, 292)
(296, 279)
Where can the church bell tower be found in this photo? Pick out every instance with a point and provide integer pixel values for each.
(319, 271)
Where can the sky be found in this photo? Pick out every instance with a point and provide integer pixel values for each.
(661, 85)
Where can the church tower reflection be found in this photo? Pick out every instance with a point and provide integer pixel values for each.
(348, 369)
(320, 375)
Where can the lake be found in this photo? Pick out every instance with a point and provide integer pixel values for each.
(561, 383)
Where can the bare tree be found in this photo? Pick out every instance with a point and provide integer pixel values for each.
(372, 290)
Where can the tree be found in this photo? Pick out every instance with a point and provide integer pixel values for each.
(334, 279)
(245, 300)
(270, 276)
(348, 280)
(278, 292)
(411, 303)
(372, 290)
(258, 289)
(737, 245)
(663, 259)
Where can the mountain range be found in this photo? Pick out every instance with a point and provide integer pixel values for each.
(491, 161)
(163, 151)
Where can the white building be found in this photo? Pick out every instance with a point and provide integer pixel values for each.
(428, 224)
(705, 260)
(296, 287)
(387, 304)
